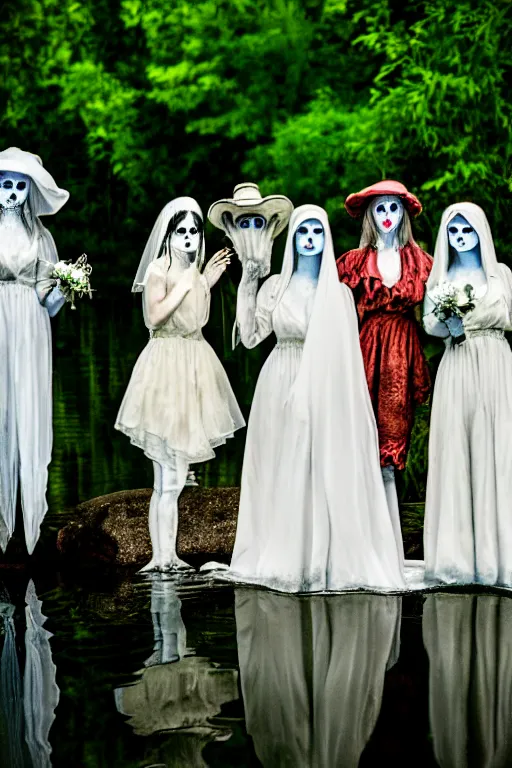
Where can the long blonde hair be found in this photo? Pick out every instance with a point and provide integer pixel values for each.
(370, 233)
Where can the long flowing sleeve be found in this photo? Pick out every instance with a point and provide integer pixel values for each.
(254, 311)
(495, 308)
(432, 325)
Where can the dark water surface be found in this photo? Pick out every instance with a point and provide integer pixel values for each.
(157, 673)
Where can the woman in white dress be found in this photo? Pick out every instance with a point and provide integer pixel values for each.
(28, 298)
(468, 523)
(313, 513)
(179, 404)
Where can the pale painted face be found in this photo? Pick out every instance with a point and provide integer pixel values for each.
(388, 212)
(461, 235)
(186, 236)
(251, 222)
(309, 238)
(14, 189)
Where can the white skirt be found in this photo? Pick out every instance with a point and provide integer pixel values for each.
(468, 514)
(179, 401)
(25, 409)
(293, 533)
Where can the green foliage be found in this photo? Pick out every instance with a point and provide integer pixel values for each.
(132, 102)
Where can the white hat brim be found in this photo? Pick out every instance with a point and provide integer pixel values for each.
(46, 198)
(274, 205)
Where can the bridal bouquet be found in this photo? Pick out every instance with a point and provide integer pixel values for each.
(452, 301)
(74, 279)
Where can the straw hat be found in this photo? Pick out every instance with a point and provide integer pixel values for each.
(45, 196)
(356, 203)
(247, 200)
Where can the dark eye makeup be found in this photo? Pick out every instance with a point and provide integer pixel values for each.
(452, 230)
(467, 230)
(318, 230)
(381, 209)
(302, 230)
(393, 207)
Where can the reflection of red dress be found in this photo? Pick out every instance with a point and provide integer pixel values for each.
(396, 368)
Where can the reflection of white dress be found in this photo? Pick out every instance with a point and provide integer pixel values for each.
(469, 644)
(179, 400)
(468, 520)
(25, 386)
(312, 672)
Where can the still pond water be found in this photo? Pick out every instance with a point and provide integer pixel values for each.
(129, 672)
(142, 673)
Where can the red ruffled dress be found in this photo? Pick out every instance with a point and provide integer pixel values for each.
(396, 369)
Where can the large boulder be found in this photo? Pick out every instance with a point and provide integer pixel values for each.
(113, 529)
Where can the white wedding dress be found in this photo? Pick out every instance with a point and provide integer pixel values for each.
(27, 299)
(179, 401)
(313, 514)
(468, 522)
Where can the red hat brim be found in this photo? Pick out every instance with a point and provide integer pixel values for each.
(357, 203)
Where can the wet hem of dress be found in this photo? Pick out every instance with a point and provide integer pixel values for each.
(169, 457)
(273, 586)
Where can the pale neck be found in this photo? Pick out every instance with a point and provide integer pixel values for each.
(466, 261)
(387, 240)
(308, 266)
(180, 260)
(12, 217)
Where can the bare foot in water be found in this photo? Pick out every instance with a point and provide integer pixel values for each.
(151, 567)
(175, 565)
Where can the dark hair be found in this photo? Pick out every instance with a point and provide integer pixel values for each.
(173, 225)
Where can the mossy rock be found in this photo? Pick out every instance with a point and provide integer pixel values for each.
(113, 529)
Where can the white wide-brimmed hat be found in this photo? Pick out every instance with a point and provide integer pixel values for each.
(45, 197)
(247, 200)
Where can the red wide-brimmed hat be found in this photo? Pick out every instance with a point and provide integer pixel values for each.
(357, 202)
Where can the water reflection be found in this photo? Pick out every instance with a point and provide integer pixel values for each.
(312, 673)
(27, 706)
(469, 644)
(178, 693)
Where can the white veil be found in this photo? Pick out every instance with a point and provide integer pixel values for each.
(478, 220)
(154, 243)
(331, 393)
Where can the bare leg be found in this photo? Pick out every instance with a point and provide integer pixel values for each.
(154, 563)
(388, 475)
(173, 481)
(191, 478)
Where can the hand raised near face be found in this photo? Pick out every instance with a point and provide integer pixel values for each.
(217, 266)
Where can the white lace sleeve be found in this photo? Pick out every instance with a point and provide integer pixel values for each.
(254, 311)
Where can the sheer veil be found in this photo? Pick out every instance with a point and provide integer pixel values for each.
(157, 235)
(330, 392)
(478, 220)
